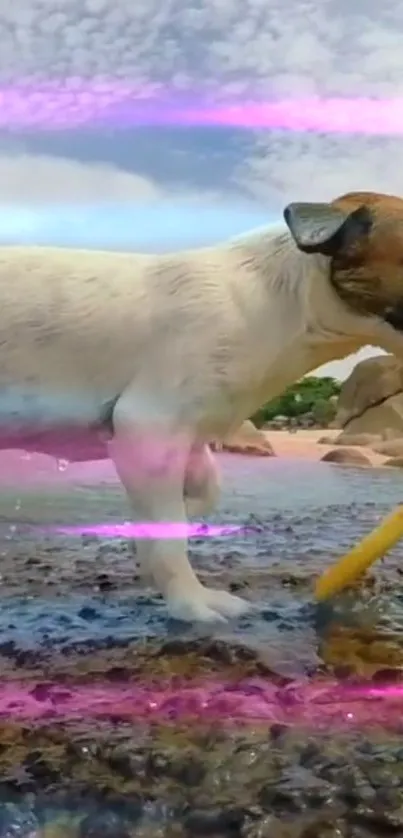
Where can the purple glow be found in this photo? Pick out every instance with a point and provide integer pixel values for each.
(147, 530)
(255, 700)
(76, 103)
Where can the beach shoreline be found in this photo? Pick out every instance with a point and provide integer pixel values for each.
(304, 445)
(18, 468)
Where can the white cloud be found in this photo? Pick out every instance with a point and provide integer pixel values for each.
(39, 179)
(266, 46)
(98, 58)
(320, 167)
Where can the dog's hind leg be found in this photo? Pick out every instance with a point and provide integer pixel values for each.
(202, 487)
(152, 468)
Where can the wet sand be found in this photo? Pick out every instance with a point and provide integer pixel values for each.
(116, 721)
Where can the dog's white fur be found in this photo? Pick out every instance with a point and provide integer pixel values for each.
(191, 344)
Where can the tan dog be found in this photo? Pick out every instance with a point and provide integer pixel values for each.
(167, 352)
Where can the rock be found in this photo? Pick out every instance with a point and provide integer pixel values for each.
(328, 440)
(227, 821)
(371, 383)
(326, 827)
(396, 462)
(370, 405)
(18, 821)
(103, 825)
(388, 434)
(388, 414)
(279, 801)
(56, 829)
(346, 457)
(378, 821)
(393, 448)
(246, 440)
(364, 440)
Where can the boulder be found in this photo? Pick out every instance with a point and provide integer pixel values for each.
(346, 457)
(370, 384)
(390, 448)
(389, 433)
(246, 440)
(386, 415)
(397, 462)
(360, 440)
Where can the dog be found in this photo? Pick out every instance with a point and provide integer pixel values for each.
(146, 358)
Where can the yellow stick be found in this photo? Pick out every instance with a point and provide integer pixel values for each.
(360, 558)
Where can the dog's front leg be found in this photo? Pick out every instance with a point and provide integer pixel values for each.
(152, 468)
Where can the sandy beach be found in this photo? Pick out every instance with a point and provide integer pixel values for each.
(304, 445)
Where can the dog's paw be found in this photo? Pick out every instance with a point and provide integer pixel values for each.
(207, 606)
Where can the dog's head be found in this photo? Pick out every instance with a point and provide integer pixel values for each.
(361, 233)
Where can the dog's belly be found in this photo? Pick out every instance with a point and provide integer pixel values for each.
(62, 428)
(67, 443)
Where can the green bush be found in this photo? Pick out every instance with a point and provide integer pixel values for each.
(309, 395)
(324, 412)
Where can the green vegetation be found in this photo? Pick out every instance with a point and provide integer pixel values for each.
(310, 395)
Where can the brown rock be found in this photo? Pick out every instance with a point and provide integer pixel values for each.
(388, 433)
(387, 415)
(371, 383)
(397, 462)
(346, 457)
(392, 448)
(246, 440)
(364, 440)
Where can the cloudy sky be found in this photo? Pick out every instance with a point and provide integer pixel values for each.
(76, 75)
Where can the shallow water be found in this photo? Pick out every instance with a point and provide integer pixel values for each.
(75, 612)
(297, 516)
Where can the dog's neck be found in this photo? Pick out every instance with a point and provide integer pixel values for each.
(302, 283)
(307, 324)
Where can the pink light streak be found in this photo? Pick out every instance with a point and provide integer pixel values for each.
(251, 702)
(64, 105)
(147, 530)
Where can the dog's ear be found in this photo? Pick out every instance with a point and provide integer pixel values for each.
(325, 228)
